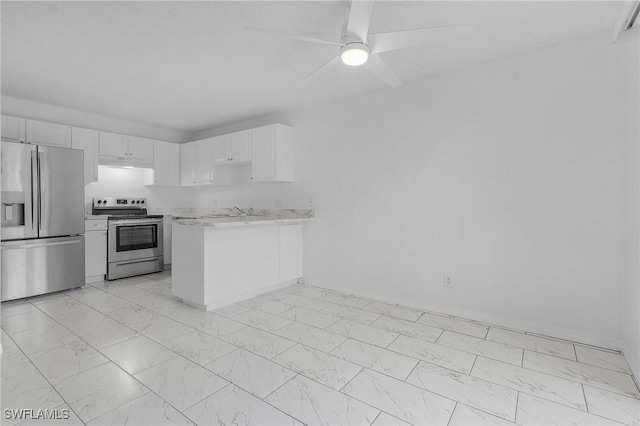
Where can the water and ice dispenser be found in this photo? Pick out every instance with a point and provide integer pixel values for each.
(12, 208)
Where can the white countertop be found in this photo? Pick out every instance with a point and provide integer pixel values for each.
(242, 221)
(226, 218)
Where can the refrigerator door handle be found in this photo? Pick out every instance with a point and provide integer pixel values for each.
(36, 245)
(40, 160)
(33, 187)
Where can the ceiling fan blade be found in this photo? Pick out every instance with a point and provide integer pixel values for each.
(291, 35)
(319, 71)
(376, 66)
(359, 18)
(385, 42)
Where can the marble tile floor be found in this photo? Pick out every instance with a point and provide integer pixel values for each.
(127, 352)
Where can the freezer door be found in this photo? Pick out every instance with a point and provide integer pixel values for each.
(40, 266)
(19, 194)
(60, 175)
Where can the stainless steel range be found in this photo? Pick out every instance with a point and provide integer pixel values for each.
(134, 238)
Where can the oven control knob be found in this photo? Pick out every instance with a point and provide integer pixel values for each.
(99, 201)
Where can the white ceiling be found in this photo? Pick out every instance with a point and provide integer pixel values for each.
(190, 66)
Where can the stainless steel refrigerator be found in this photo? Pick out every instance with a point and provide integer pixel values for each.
(42, 203)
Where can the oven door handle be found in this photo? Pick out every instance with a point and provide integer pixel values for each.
(135, 222)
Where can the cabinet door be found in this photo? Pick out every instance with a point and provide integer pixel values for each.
(113, 145)
(221, 149)
(87, 140)
(140, 149)
(187, 164)
(241, 146)
(263, 163)
(166, 163)
(95, 246)
(166, 239)
(203, 161)
(43, 133)
(290, 249)
(13, 129)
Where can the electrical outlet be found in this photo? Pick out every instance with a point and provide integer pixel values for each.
(214, 202)
(447, 281)
(279, 202)
(310, 202)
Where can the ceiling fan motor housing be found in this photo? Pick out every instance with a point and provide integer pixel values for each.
(354, 53)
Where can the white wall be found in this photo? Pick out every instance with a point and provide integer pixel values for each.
(629, 200)
(517, 177)
(504, 175)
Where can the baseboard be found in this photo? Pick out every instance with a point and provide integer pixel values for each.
(591, 339)
(634, 362)
(248, 295)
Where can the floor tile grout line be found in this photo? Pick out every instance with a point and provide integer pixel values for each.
(584, 396)
(472, 365)
(412, 370)
(452, 411)
(560, 357)
(205, 332)
(515, 414)
(537, 396)
(392, 378)
(276, 407)
(376, 418)
(391, 343)
(489, 325)
(48, 382)
(578, 362)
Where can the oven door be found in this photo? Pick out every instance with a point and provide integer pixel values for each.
(131, 239)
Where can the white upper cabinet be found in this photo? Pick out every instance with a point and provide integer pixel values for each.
(16, 129)
(166, 163)
(204, 169)
(13, 129)
(43, 133)
(196, 166)
(221, 149)
(187, 164)
(123, 149)
(141, 149)
(232, 149)
(241, 146)
(114, 145)
(272, 154)
(87, 140)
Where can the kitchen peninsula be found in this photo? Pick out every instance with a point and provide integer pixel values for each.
(228, 256)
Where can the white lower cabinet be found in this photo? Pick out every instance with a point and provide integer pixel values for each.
(290, 251)
(95, 246)
(166, 239)
(215, 266)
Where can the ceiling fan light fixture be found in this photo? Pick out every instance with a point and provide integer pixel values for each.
(354, 54)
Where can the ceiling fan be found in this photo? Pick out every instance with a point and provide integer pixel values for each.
(359, 48)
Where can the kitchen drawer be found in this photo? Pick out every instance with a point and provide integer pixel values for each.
(95, 224)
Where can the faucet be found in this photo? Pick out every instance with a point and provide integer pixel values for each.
(239, 211)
